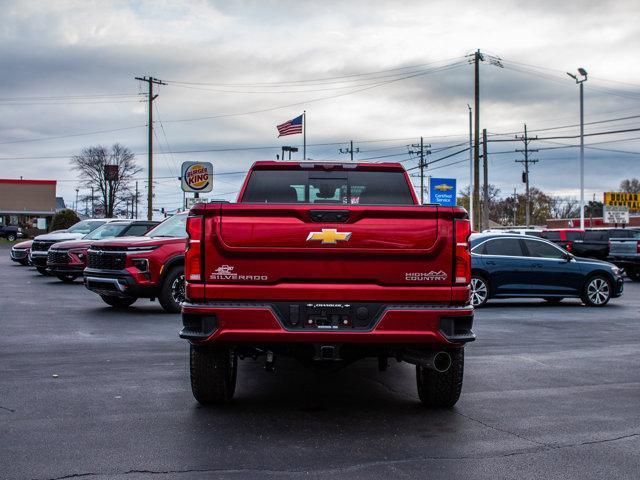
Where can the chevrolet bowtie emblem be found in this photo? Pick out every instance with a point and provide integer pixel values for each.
(443, 187)
(329, 235)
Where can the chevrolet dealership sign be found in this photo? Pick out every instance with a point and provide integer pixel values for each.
(442, 191)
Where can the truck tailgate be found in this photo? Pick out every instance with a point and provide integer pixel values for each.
(297, 244)
(623, 246)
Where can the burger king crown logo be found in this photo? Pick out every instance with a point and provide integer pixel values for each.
(197, 177)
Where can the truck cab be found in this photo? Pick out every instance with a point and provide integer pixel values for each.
(328, 264)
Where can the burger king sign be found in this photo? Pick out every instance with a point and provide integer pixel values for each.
(197, 177)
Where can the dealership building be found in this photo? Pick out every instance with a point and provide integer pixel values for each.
(29, 204)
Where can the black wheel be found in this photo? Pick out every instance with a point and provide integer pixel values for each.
(553, 299)
(479, 293)
(43, 271)
(172, 291)
(118, 302)
(24, 263)
(634, 275)
(213, 374)
(441, 390)
(596, 291)
(11, 237)
(67, 277)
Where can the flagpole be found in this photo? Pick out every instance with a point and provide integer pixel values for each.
(304, 135)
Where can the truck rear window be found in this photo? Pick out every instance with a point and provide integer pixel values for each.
(328, 187)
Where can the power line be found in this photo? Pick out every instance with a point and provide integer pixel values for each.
(291, 82)
(305, 102)
(71, 135)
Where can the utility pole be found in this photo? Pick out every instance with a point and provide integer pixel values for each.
(477, 58)
(485, 188)
(136, 200)
(150, 81)
(515, 207)
(471, 169)
(92, 204)
(525, 175)
(422, 152)
(350, 150)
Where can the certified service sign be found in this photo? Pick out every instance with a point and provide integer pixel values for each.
(197, 177)
(443, 191)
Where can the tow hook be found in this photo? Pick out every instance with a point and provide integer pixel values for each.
(270, 363)
(327, 353)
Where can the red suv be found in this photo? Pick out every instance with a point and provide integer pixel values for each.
(67, 260)
(121, 270)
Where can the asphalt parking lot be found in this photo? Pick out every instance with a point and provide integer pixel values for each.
(550, 392)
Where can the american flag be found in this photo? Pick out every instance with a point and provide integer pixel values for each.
(292, 127)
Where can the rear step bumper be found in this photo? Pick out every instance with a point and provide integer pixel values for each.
(225, 322)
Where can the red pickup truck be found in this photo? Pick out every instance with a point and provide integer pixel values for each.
(329, 264)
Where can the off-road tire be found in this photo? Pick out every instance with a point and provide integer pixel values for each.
(555, 300)
(441, 390)
(67, 277)
(43, 271)
(587, 295)
(166, 297)
(213, 374)
(118, 302)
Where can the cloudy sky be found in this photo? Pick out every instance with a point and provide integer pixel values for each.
(380, 73)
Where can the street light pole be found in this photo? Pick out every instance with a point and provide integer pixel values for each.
(582, 154)
(583, 73)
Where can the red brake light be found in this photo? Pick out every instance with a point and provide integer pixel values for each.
(638, 246)
(193, 254)
(462, 265)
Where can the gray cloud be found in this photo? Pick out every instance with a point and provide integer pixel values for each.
(73, 48)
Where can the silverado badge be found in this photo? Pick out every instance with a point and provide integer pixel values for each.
(329, 235)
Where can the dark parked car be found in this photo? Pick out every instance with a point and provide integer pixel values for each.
(10, 232)
(507, 266)
(595, 242)
(563, 237)
(625, 253)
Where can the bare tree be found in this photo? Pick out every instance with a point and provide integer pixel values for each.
(630, 185)
(564, 207)
(90, 164)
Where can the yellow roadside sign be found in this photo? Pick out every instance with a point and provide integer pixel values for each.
(621, 199)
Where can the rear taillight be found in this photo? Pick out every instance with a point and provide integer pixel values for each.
(462, 265)
(193, 254)
(638, 246)
(568, 247)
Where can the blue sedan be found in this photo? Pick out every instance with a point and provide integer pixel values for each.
(510, 266)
